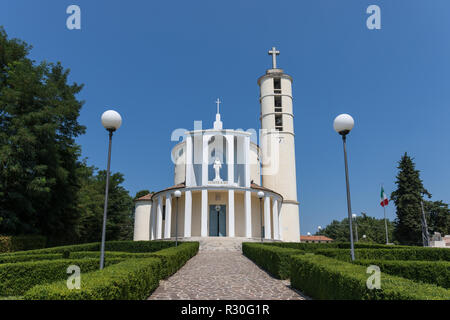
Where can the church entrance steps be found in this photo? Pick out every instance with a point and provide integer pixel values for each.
(223, 275)
(221, 243)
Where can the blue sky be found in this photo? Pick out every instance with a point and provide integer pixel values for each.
(162, 64)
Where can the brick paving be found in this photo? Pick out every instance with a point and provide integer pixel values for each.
(223, 275)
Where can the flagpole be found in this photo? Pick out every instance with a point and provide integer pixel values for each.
(385, 221)
(385, 225)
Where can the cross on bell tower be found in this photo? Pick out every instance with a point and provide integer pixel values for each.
(274, 53)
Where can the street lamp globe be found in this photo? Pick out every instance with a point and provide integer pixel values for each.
(260, 194)
(177, 194)
(308, 233)
(343, 124)
(354, 215)
(111, 120)
(364, 236)
(319, 227)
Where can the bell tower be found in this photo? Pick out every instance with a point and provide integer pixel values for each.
(277, 145)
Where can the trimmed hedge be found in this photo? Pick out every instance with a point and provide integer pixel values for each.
(70, 255)
(312, 247)
(175, 257)
(30, 257)
(321, 277)
(130, 279)
(17, 243)
(16, 278)
(275, 260)
(426, 254)
(435, 272)
(123, 246)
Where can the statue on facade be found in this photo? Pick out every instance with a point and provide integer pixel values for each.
(217, 166)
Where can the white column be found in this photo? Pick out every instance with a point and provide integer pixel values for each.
(248, 214)
(204, 218)
(189, 161)
(230, 158)
(153, 222)
(267, 226)
(167, 225)
(280, 203)
(276, 228)
(205, 160)
(231, 226)
(187, 214)
(247, 160)
(159, 219)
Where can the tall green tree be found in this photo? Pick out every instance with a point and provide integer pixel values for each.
(38, 153)
(438, 217)
(407, 198)
(119, 223)
(373, 228)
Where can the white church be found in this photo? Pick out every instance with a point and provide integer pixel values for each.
(225, 185)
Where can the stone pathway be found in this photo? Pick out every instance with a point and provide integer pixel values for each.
(223, 275)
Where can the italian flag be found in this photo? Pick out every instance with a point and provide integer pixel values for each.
(384, 199)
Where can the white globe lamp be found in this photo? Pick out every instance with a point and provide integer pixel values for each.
(111, 120)
(343, 124)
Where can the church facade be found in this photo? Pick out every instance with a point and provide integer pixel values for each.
(225, 185)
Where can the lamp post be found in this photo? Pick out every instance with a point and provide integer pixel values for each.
(177, 195)
(260, 196)
(343, 124)
(319, 228)
(111, 120)
(356, 226)
(218, 220)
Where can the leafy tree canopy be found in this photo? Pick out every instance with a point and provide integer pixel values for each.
(141, 194)
(373, 228)
(38, 154)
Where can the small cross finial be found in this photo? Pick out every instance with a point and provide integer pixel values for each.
(218, 102)
(274, 53)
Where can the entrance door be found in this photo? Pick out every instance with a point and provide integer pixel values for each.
(217, 220)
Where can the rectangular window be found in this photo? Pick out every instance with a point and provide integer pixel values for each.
(278, 110)
(277, 101)
(164, 212)
(277, 83)
(279, 122)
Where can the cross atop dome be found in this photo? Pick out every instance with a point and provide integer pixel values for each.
(218, 122)
(218, 102)
(274, 53)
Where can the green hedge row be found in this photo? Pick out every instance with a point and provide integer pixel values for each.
(426, 254)
(321, 277)
(434, 272)
(175, 257)
(16, 278)
(312, 247)
(273, 259)
(30, 257)
(123, 246)
(71, 255)
(17, 243)
(130, 279)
